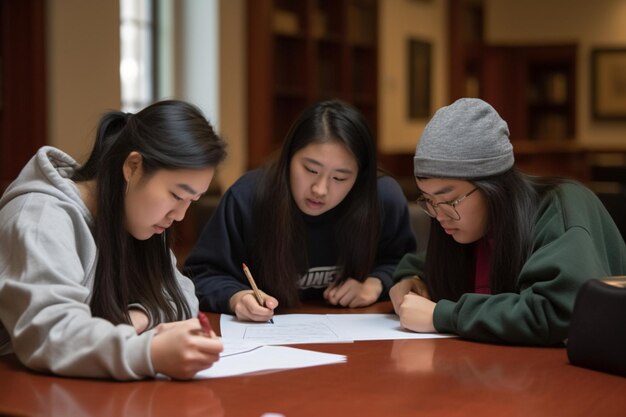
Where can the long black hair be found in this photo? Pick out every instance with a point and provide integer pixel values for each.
(169, 135)
(280, 247)
(513, 199)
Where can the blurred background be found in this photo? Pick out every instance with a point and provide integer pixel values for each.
(554, 69)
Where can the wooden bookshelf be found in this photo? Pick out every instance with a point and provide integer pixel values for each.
(303, 51)
(533, 87)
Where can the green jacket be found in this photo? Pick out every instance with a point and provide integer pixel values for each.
(574, 240)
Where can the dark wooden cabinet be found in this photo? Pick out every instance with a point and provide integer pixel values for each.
(23, 114)
(303, 51)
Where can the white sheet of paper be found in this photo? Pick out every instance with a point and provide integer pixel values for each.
(268, 358)
(376, 327)
(236, 347)
(287, 329)
(247, 346)
(319, 328)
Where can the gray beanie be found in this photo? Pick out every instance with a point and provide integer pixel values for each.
(467, 139)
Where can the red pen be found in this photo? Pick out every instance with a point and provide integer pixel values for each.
(204, 322)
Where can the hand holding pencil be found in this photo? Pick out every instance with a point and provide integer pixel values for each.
(255, 289)
(254, 304)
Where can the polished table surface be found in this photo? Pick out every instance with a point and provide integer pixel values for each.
(429, 377)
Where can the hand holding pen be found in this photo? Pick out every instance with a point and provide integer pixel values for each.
(180, 349)
(254, 304)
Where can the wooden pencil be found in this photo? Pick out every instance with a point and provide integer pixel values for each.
(255, 289)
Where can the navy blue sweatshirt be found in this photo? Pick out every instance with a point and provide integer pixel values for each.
(228, 238)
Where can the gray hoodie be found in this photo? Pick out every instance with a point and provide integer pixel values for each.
(47, 267)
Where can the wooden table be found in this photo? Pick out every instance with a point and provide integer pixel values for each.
(431, 377)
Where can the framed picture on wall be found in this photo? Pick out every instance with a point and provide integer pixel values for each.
(608, 83)
(419, 68)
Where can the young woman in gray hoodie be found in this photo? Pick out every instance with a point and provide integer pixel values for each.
(88, 283)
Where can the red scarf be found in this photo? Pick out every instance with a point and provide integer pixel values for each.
(482, 256)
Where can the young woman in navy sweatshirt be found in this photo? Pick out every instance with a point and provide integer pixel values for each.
(318, 222)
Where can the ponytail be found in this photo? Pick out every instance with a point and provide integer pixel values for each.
(109, 128)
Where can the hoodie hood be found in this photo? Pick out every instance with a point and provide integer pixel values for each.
(48, 172)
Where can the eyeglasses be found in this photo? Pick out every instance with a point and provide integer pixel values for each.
(447, 207)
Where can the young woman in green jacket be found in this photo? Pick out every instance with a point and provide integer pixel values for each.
(507, 252)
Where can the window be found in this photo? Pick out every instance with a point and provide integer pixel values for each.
(137, 40)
